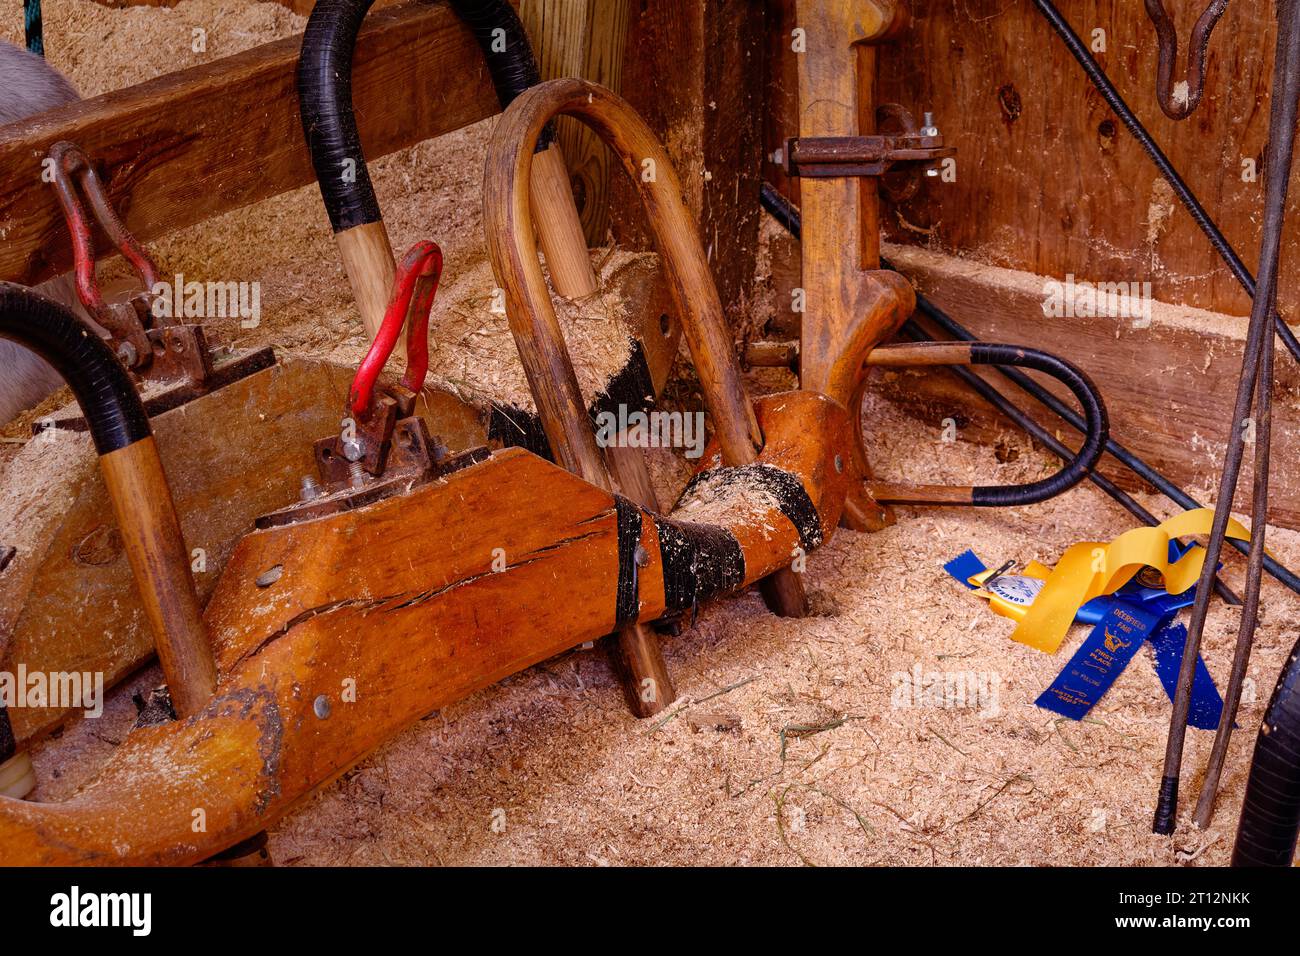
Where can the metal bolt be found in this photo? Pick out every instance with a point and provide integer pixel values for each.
(352, 449)
(777, 156)
(640, 556)
(929, 129)
(321, 707)
(270, 576)
(127, 353)
(357, 474)
(310, 488)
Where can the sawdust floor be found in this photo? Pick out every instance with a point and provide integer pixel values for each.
(783, 747)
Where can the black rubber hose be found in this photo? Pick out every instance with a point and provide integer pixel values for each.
(114, 413)
(505, 46)
(1049, 441)
(787, 215)
(1119, 452)
(329, 124)
(1184, 193)
(1097, 425)
(1270, 815)
(108, 400)
(325, 106)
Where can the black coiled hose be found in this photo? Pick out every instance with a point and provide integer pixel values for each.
(325, 94)
(1270, 815)
(1096, 427)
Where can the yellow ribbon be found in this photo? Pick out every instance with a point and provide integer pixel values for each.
(1090, 569)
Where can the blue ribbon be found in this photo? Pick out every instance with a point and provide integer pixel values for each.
(1122, 621)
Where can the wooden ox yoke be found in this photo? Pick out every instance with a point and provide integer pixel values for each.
(402, 601)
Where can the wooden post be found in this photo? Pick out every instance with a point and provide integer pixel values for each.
(841, 280)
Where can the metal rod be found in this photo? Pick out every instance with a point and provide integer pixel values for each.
(1254, 571)
(1197, 50)
(1255, 361)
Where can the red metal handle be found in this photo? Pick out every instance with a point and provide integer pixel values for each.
(72, 168)
(414, 287)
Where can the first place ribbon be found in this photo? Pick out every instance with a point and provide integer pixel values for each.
(1113, 642)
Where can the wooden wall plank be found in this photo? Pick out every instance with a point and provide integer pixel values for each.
(694, 71)
(1169, 387)
(189, 145)
(1048, 179)
(585, 39)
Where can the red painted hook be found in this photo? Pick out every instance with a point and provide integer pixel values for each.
(72, 168)
(413, 290)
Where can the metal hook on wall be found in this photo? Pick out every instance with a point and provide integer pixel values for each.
(1180, 100)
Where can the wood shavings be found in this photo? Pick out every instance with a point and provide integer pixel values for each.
(547, 767)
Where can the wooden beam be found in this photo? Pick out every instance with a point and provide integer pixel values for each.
(190, 145)
(584, 39)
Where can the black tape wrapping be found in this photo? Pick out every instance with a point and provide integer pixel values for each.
(1166, 806)
(784, 486)
(8, 746)
(632, 387)
(113, 411)
(325, 94)
(1270, 814)
(627, 598)
(700, 561)
(505, 46)
(325, 106)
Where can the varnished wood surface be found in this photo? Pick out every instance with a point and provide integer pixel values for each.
(68, 602)
(367, 629)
